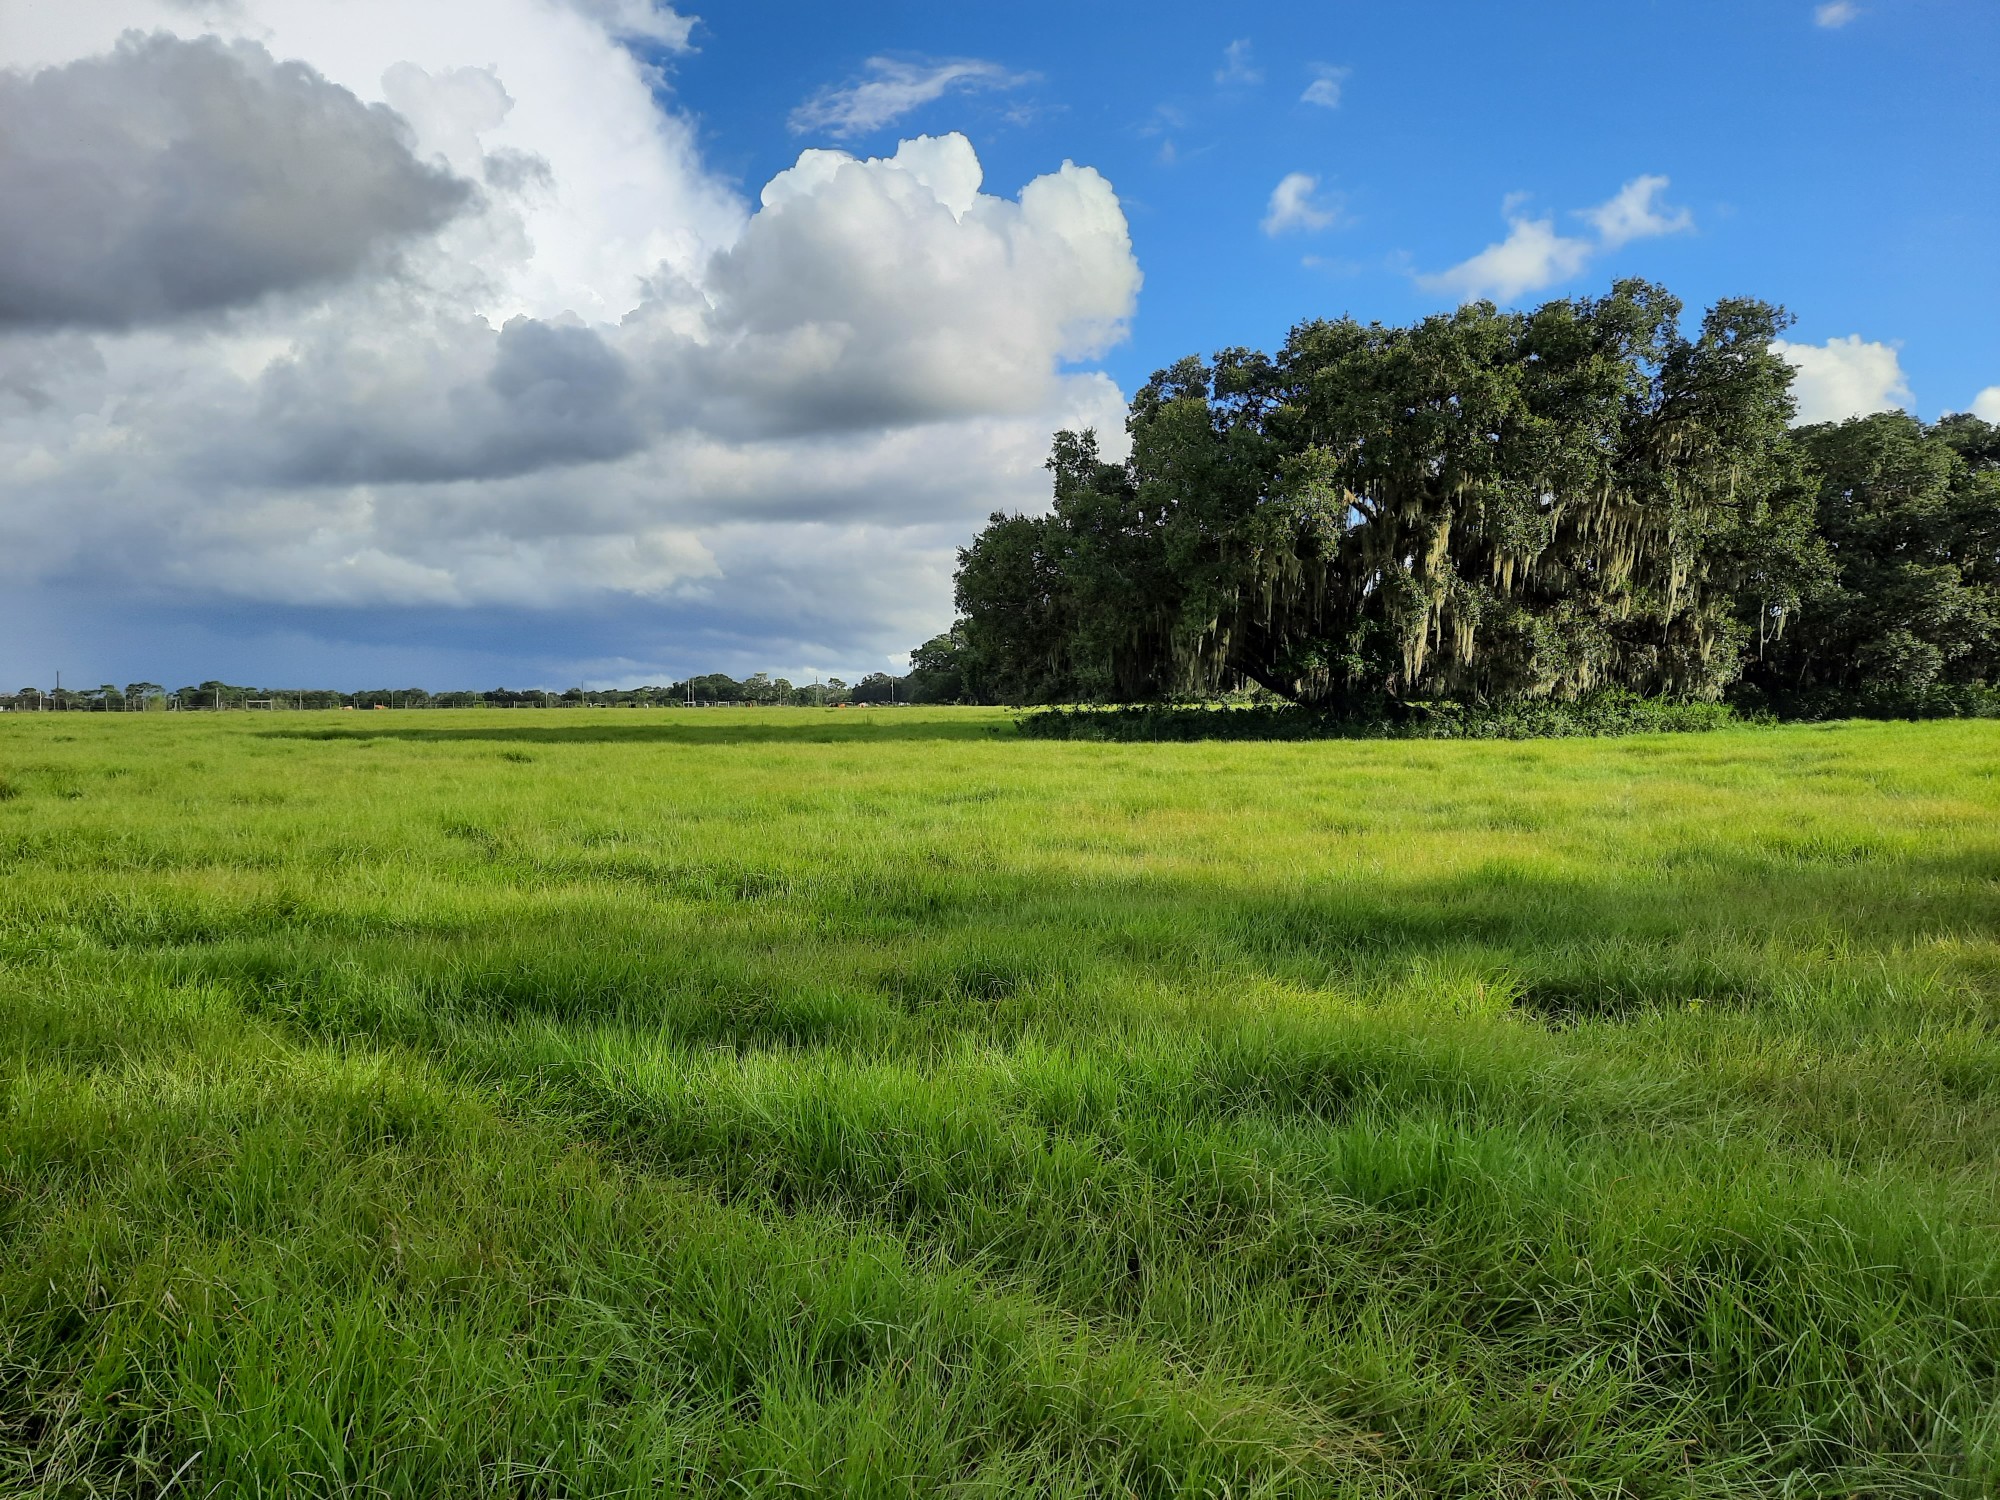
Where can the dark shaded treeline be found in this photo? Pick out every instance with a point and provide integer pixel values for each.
(1491, 507)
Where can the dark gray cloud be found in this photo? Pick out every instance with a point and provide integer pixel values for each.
(175, 177)
(463, 404)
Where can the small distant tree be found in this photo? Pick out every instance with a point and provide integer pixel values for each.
(945, 669)
(714, 687)
(880, 687)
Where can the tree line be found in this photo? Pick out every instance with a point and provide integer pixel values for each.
(1492, 506)
(705, 690)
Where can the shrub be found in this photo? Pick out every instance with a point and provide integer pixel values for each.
(1601, 714)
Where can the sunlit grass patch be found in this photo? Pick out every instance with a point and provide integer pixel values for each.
(884, 1104)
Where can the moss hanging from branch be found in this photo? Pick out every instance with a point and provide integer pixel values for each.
(1483, 505)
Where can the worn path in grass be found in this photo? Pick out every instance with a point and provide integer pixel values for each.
(845, 1103)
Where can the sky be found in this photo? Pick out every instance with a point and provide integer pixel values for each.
(529, 343)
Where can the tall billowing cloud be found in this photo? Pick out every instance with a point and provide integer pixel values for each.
(581, 394)
(872, 293)
(172, 177)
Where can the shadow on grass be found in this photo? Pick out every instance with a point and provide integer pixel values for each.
(689, 729)
(794, 949)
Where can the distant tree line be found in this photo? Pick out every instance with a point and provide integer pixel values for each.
(1495, 506)
(706, 690)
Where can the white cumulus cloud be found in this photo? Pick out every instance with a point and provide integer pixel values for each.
(595, 385)
(1835, 14)
(891, 90)
(1534, 255)
(1295, 204)
(1845, 377)
(1986, 405)
(894, 290)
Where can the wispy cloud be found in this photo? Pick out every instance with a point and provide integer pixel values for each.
(1296, 204)
(641, 20)
(1635, 212)
(1325, 88)
(1239, 68)
(893, 88)
(1534, 255)
(1835, 14)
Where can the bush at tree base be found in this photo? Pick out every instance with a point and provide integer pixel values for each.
(1605, 713)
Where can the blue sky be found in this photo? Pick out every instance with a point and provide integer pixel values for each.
(1845, 170)
(507, 366)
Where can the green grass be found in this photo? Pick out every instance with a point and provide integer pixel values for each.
(792, 1102)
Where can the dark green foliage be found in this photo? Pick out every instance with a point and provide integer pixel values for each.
(1905, 617)
(1611, 712)
(879, 687)
(1485, 506)
(944, 670)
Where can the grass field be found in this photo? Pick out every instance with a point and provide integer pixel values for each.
(824, 1103)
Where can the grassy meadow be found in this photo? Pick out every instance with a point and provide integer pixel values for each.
(793, 1102)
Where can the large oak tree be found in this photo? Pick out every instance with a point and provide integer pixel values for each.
(1484, 504)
